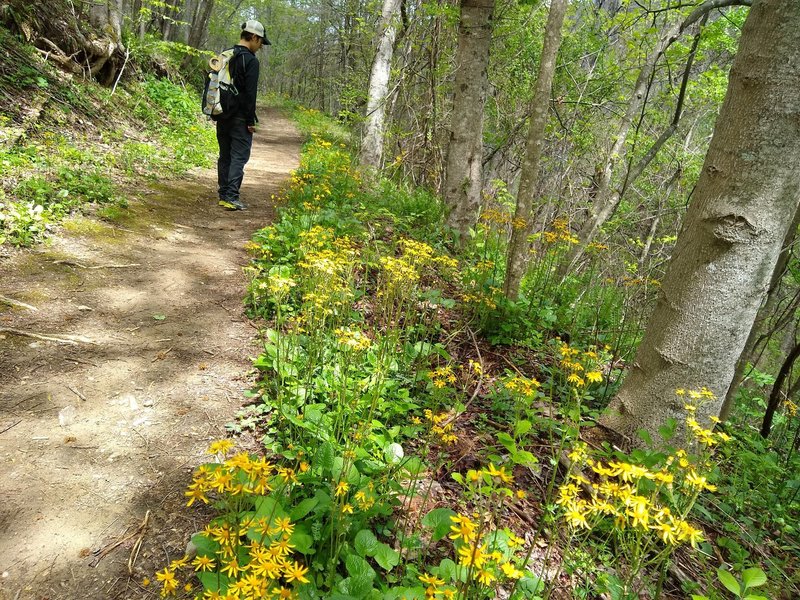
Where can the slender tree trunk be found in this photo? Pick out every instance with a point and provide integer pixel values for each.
(775, 394)
(607, 198)
(519, 247)
(764, 314)
(374, 123)
(463, 171)
(743, 205)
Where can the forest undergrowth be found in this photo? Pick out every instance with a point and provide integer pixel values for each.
(414, 449)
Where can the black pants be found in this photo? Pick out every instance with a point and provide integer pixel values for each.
(235, 143)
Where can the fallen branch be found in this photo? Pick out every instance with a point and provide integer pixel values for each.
(101, 553)
(17, 303)
(72, 263)
(138, 544)
(76, 392)
(72, 340)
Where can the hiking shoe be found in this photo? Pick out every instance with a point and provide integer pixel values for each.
(233, 205)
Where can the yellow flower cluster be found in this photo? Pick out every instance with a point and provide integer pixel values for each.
(696, 398)
(352, 339)
(487, 299)
(559, 233)
(581, 367)
(442, 376)
(485, 565)
(617, 496)
(441, 426)
(254, 553)
(523, 385)
(790, 407)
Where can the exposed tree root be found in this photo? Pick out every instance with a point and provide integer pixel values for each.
(72, 340)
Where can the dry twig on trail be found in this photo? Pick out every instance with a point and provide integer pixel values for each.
(137, 545)
(17, 303)
(72, 340)
(72, 263)
(138, 533)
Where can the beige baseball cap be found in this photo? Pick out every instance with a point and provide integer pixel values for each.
(257, 28)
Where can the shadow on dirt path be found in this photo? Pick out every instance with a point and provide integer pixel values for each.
(97, 432)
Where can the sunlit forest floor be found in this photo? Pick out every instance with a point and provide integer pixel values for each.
(131, 357)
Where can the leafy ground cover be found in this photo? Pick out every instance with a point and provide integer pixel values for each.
(74, 155)
(408, 455)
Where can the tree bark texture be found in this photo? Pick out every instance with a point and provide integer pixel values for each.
(743, 205)
(463, 171)
(519, 247)
(765, 314)
(374, 122)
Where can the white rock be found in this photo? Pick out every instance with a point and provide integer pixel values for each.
(66, 416)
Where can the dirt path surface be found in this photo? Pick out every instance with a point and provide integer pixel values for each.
(96, 433)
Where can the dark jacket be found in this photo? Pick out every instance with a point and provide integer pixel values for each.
(244, 66)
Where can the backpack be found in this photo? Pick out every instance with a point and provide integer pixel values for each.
(220, 96)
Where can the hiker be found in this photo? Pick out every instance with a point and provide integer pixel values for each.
(235, 131)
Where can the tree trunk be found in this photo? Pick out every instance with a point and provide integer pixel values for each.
(374, 124)
(764, 314)
(732, 236)
(463, 171)
(607, 198)
(518, 247)
(775, 394)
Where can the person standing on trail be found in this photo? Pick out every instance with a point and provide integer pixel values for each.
(235, 132)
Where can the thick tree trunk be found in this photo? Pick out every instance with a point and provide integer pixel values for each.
(374, 122)
(764, 315)
(519, 247)
(732, 236)
(463, 174)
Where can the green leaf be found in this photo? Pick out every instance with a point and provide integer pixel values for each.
(507, 441)
(323, 459)
(366, 543)
(446, 570)
(302, 509)
(159, 317)
(729, 581)
(216, 582)
(754, 597)
(302, 541)
(439, 520)
(753, 577)
(205, 546)
(267, 506)
(386, 557)
(522, 427)
(359, 567)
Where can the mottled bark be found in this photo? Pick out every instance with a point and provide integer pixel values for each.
(374, 121)
(765, 314)
(463, 171)
(519, 246)
(733, 232)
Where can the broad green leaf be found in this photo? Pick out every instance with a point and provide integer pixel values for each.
(439, 520)
(753, 577)
(366, 543)
(729, 581)
(359, 567)
(205, 546)
(302, 541)
(507, 442)
(446, 570)
(522, 427)
(267, 506)
(323, 459)
(302, 509)
(386, 557)
(216, 582)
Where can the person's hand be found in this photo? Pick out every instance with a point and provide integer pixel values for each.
(251, 128)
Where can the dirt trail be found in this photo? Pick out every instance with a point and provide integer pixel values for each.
(94, 434)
